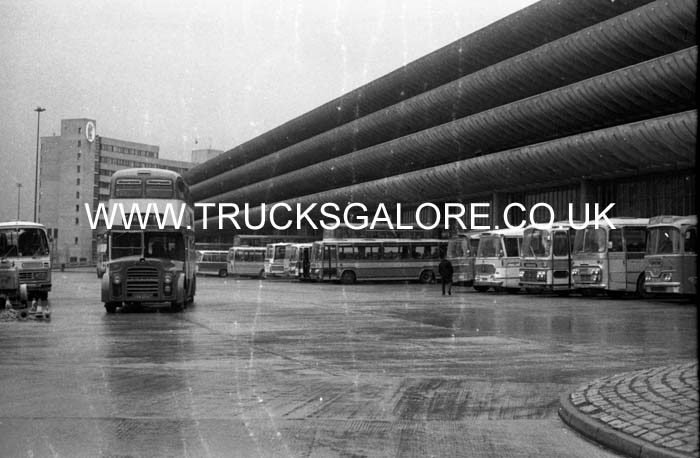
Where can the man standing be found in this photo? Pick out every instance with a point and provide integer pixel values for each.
(445, 269)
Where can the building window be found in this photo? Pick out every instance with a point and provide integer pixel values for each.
(78, 154)
(77, 221)
(77, 208)
(78, 169)
(80, 129)
(76, 240)
(77, 194)
(78, 142)
(77, 181)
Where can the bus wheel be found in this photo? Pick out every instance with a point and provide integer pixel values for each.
(640, 292)
(348, 277)
(223, 273)
(481, 289)
(427, 276)
(111, 307)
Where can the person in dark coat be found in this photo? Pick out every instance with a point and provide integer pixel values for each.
(445, 269)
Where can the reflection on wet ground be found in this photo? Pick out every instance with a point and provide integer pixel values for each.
(261, 368)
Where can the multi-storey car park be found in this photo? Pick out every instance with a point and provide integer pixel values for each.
(561, 102)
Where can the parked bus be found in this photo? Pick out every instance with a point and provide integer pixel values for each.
(351, 260)
(671, 255)
(277, 259)
(246, 261)
(610, 260)
(299, 260)
(545, 260)
(212, 262)
(26, 245)
(150, 265)
(461, 252)
(497, 263)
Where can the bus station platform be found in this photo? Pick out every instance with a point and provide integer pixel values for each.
(646, 413)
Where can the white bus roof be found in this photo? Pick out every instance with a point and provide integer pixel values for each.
(503, 232)
(371, 240)
(145, 171)
(18, 224)
(246, 247)
(622, 221)
(672, 220)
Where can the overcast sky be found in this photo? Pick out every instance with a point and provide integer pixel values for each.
(170, 73)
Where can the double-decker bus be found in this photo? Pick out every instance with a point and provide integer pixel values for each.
(277, 259)
(156, 263)
(26, 246)
(610, 260)
(351, 260)
(671, 255)
(246, 261)
(299, 260)
(497, 263)
(461, 252)
(545, 258)
(212, 262)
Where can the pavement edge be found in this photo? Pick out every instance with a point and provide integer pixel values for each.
(610, 437)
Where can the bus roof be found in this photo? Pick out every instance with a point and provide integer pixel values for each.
(514, 232)
(19, 224)
(372, 240)
(246, 247)
(468, 234)
(145, 172)
(672, 220)
(621, 221)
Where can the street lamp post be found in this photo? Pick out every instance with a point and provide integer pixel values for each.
(36, 161)
(19, 186)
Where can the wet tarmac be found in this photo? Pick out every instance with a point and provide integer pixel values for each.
(272, 368)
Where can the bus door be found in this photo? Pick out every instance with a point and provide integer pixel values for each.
(330, 261)
(688, 268)
(617, 269)
(561, 260)
(305, 261)
(635, 246)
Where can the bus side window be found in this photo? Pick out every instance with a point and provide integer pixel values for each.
(635, 238)
(615, 242)
(690, 241)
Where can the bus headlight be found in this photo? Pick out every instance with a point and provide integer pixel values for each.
(116, 285)
(521, 273)
(541, 274)
(167, 284)
(647, 276)
(574, 271)
(40, 275)
(668, 276)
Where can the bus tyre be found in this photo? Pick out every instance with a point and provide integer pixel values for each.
(481, 289)
(111, 307)
(348, 277)
(427, 276)
(640, 292)
(223, 273)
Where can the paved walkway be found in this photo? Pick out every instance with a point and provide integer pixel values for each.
(649, 413)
